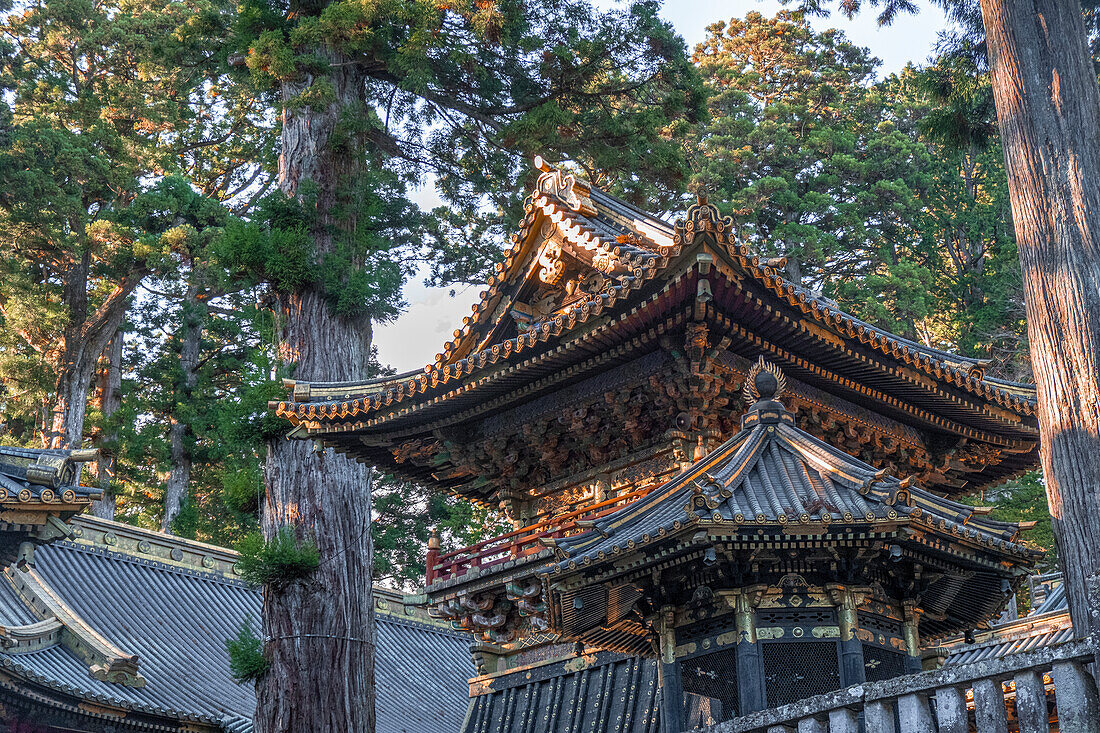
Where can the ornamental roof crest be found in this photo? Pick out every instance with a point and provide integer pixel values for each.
(564, 187)
(703, 216)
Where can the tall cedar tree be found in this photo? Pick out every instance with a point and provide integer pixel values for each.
(368, 90)
(80, 127)
(810, 161)
(1048, 110)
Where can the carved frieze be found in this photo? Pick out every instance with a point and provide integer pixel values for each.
(498, 615)
(677, 403)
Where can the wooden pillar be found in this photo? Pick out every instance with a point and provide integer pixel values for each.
(847, 600)
(432, 559)
(668, 671)
(602, 489)
(751, 694)
(912, 637)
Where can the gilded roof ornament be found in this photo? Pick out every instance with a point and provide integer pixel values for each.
(563, 186)
(703, 216)
(766, 381)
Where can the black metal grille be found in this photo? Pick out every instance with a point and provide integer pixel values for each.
(888, 627)
(882, 664)
(705, 628)
(795, 617)
(797, 670)
(710, 688)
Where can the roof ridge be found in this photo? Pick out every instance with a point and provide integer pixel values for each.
(106, 661)
(153, 562)
(92, 521)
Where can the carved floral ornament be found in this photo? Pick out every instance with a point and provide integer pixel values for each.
(497, 617)
(702, 217)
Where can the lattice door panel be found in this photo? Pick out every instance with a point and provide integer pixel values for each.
(710, 688)
(882, 664)
(797, 670)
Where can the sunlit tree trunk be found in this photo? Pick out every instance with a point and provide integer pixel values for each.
(179, 431)
(109, 395)
(85, 336)
(1048, 109)
(319, 631)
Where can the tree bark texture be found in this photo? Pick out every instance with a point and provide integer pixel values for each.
(1048, 110)
(179, 431)
(319, 632)
(109, 392)
(83, 340)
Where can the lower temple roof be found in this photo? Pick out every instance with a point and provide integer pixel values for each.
(134, 624)
(772, 474)
(601, 693)
(773, 488)
(1047, 624)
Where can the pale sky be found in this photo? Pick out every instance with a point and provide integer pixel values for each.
(417, 335)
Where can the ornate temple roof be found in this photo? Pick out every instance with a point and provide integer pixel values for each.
(637, 246)
(592, 283)
(770, 504)
(773, 486)
(128, 626)
(775, 476)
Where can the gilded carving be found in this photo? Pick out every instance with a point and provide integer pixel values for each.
(551, 266)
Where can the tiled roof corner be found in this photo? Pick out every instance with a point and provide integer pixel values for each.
(105, 661)
(617, 238)
(94, 614)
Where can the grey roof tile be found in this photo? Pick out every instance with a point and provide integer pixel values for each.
(1047, 624)
(177, 620)
(616, 694)
(774, 472)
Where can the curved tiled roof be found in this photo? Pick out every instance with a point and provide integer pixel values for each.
(774, 474)
(604, 692)
(599, 221)
(641, 243)
(964, 373)
(1046, 625)
(175, 613)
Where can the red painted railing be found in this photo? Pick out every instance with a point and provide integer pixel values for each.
(520, 542)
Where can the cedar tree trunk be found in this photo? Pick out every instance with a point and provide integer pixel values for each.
(319, 632)
(179, 431)
(1048, 109)
(109, 392)
(83, 340)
